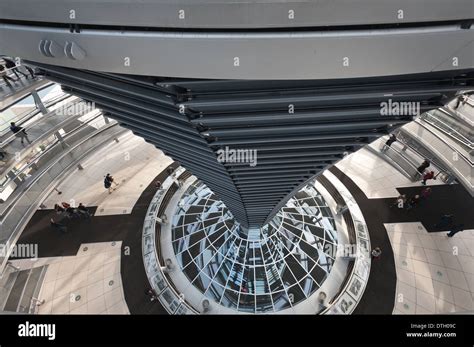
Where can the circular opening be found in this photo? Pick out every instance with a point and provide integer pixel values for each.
(257, 269)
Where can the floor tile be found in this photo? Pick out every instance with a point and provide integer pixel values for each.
(95, 290)
(427, 301)
(421, 268)
(434, 257)
(463, 299)
(60, 305)
(424, 283)
(96, 305)
(406, 277)
(113, 297)
(405, 291)
(457, 279)
(443, 291)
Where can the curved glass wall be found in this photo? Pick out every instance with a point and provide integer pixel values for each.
(263, 270)
(449, 125)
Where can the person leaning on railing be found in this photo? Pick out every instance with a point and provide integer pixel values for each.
(3, 153)
(19, 132)
(11, 65)
(389, 142)
(4, 75)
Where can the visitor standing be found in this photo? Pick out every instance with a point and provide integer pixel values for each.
(376, 253)
(425, 193)
(108, 181)
(19, 132)
(445, 221)
(4, 75)
(424, 165)
(427, 176)
(389, 142)
(456, 229)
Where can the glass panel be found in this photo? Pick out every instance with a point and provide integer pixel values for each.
(286, 265)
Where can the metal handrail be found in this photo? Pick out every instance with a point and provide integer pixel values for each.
(46, 151)
(408, 159)
(459, 137)
(401, 137)
(163, 191)
(26, 215)
(27, 115)
(51, 114)
(10, 203)
(466, 158)
(403, 162)
(10, 68)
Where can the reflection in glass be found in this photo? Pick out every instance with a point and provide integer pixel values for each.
(275, 270)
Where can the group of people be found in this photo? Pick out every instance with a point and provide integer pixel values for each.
(66, 211)
(403, 202)
(10, 65)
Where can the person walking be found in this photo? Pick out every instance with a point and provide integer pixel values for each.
(425, 193)
(389, 142)
(83, 211)
(10, 64)
(170, 170)
(3, 154)
(108, 181)
(376, 253)
(427, 176)
(456, 229)
(445, 221)
(19, 132)
(460, 101)
(4, 75)
(30, 71)
(59, 209)
(424, 165)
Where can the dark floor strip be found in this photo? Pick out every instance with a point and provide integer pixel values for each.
(16, 292)
(444, 199)
(135, 280)
(126, 228)
(380, 292)
(379, 295)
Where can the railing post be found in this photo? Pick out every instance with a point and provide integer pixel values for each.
(39, 103)
(15, 178)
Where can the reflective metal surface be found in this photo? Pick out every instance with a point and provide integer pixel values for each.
(261, 270)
